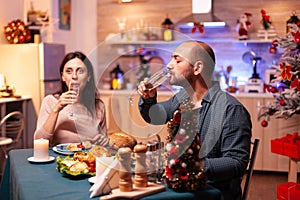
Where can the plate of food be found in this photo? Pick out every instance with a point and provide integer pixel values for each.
(71, 148)
(82, 164)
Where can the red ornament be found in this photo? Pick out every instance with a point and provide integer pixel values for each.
(274, 89)
(296, 36)
(282, 102)
(264, 123)
(273, 49)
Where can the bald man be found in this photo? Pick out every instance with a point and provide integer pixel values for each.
(224, 125)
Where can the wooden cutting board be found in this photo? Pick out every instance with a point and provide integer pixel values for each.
(136, 193)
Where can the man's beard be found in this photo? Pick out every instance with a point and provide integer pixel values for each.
(183, 80)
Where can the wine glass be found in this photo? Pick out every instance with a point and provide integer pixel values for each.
(157, 79)
(73, 87)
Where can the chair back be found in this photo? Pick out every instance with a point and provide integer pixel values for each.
(249, 171)
(12, 126)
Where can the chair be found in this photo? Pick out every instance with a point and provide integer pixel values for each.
(249, 171)
(12, 126)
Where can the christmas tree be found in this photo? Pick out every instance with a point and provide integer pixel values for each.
(286, 86)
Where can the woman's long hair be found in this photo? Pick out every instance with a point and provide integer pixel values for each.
(90, 95)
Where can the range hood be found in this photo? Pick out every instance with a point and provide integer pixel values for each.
(202, 11)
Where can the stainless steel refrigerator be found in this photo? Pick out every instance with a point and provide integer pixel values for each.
(33, 69)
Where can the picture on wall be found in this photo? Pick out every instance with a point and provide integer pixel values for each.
(65, 14)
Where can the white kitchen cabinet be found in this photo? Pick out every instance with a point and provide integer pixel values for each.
(122, 116)
(33, 69)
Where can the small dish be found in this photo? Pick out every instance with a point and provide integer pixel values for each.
(62, 151)
(50, 159)
(92, 179)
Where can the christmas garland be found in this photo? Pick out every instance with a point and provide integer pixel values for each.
(183, 171)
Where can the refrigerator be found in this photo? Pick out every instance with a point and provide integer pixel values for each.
(33, 69)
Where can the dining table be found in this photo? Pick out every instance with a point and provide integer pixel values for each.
(24, 180)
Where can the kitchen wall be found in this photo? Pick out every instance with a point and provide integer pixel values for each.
(94, 20)
(228, 49)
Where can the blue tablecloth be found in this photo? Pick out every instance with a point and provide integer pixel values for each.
(28, 181)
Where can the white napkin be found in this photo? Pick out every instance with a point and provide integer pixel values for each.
(107, 181)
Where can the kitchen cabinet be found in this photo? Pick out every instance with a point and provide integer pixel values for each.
(122, 116)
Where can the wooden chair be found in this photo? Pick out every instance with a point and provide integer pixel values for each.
(12, 126)
(249, 171)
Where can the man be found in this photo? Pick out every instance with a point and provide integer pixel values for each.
(224, 124)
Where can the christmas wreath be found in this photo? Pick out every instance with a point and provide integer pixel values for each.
(16, 32)
(183, 171)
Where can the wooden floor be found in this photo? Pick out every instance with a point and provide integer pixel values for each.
(264, 185)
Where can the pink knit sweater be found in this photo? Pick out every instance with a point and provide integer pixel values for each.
(71, 129)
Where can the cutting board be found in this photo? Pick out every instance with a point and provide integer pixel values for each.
(136, 193)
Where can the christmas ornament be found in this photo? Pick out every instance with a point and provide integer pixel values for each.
(285, 87)
(16, 33)
(199, 26)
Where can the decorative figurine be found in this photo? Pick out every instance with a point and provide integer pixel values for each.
(243, 26)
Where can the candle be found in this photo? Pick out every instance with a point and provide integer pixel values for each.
(102, 163)
(40, 149)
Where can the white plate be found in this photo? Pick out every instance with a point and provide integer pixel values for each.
(92, 179)
(64, 151)
(31, 159)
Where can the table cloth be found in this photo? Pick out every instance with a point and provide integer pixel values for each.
(27, 181)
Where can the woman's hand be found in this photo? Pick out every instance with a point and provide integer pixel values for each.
(145, 89)
(99, 139)
(65, 99)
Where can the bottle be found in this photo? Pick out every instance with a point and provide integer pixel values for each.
(117, 78)
(151, 162)
(167, 27)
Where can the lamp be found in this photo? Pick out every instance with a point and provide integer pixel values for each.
(124, 1)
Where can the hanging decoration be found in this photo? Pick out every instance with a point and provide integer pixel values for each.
(16, 32)
(198, 26)
(286, 86)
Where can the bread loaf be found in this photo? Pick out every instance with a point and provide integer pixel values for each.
(120, 139)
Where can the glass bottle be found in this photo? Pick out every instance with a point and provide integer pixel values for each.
(151, 162)
(167, 29)
(117, 78)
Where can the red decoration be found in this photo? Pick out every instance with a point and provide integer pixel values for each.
(282, 102)
(296, 36)
(288, 191)
(199, 26)
(264, 123)
(15, 32)
(288, 145)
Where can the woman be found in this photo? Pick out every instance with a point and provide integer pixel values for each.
(69, 115)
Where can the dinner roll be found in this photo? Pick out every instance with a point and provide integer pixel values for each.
(120, 139)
